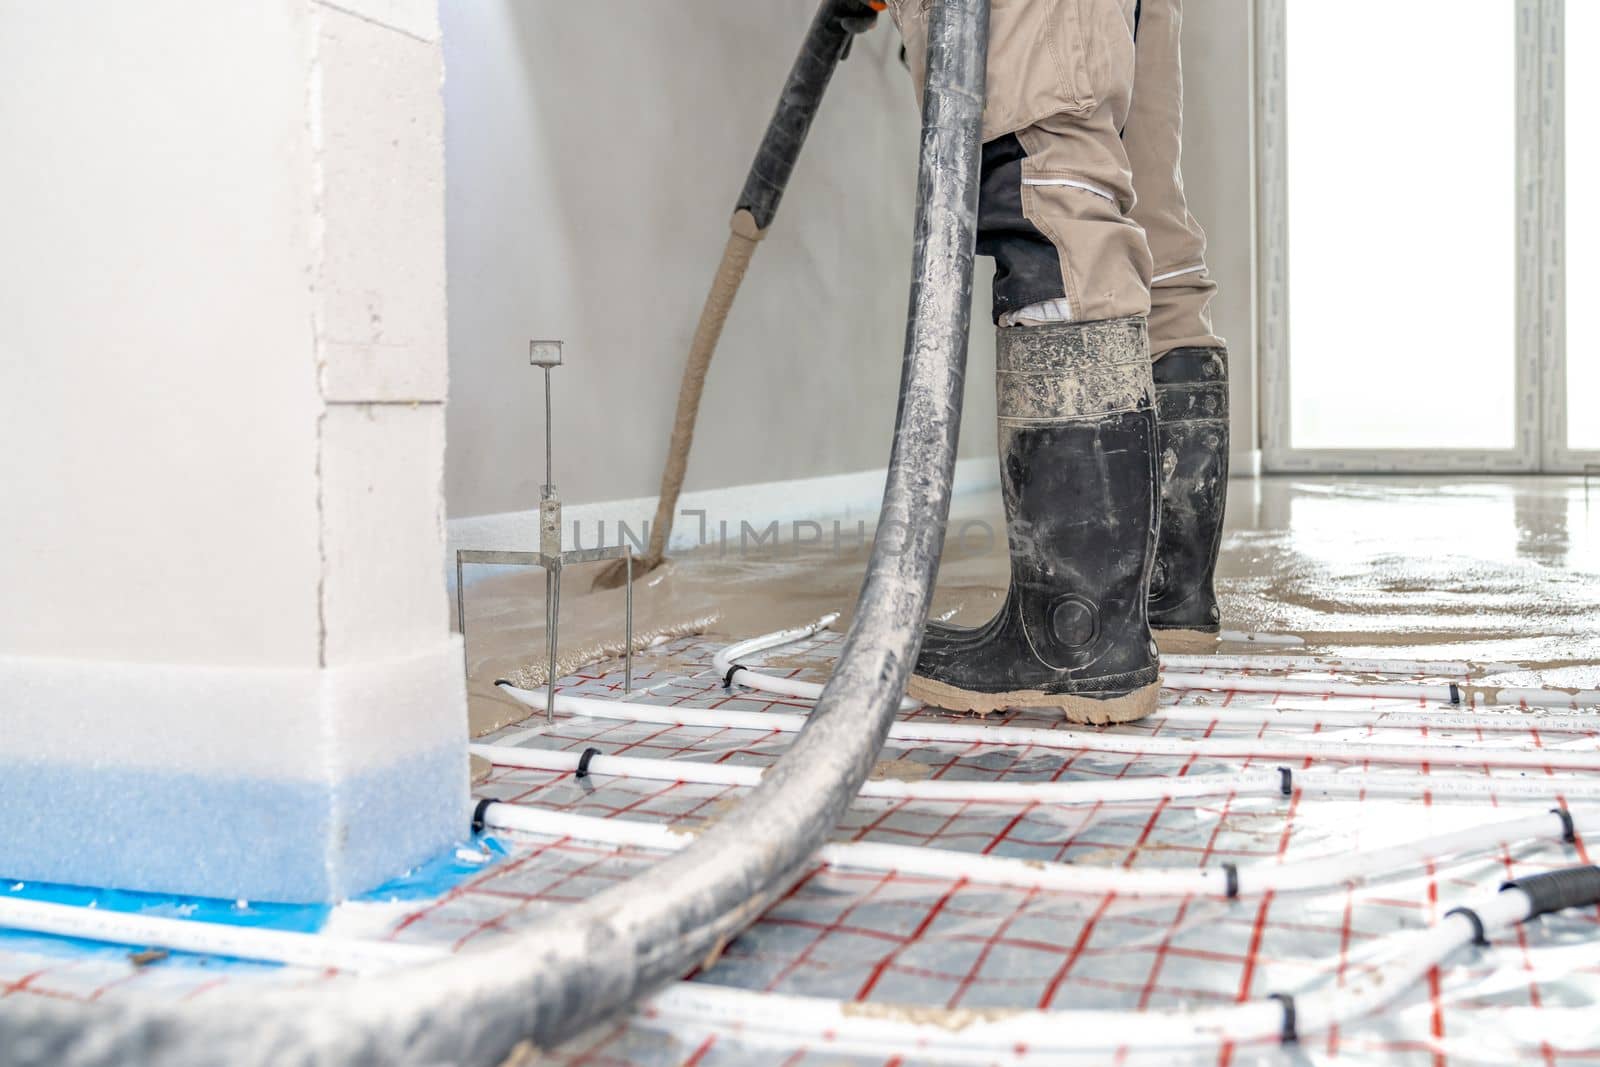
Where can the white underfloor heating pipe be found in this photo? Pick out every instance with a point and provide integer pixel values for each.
(1455, 670)
(1225, 880)
(1191, 672)
(1263, 782)
(1317, 719)
(724, 661)
(1450, 693)
(1243, 637)
(1435, 751)
(1243, 783)
(932, 1035)
(208, 938)
(1218, 682)
(1196, 674)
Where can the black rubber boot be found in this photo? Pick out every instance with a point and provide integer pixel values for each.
(1192, 412)
(1078, 475)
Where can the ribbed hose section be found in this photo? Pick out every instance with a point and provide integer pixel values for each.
(589, 961)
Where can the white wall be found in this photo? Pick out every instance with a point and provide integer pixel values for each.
(594, 153)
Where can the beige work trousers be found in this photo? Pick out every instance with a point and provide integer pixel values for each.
(1083, 204)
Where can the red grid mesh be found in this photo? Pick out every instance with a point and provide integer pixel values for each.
(890, 937)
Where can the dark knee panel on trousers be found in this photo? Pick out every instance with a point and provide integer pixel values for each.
(1027, 267)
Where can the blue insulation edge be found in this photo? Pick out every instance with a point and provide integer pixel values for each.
(255, 840)
(428, 881)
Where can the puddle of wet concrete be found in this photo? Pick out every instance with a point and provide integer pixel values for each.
(1478, 569)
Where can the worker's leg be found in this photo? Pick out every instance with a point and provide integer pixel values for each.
(1056, 210)
(1181, 285)
(1075, 397)
(1191, 370)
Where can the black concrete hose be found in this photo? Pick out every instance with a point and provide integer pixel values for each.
(589, 961)
(826, 44)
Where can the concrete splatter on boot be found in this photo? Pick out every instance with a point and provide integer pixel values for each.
(1078, 475)
(1192, 415)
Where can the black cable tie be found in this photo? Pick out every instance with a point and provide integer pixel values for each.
(1569, 830)
(1288, 781)
(583, 761)
(1479, 938)
(1290, 1034)
(1455, 693)
(727, 679)
(1231, 872)
(478, 813)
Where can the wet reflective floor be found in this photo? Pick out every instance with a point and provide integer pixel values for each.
(1505, 571)
(1497, 571)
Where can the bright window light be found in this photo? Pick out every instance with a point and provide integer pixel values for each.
(1583, 227)
(1402, 224)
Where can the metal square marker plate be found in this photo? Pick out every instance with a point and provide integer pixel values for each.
(544, 353)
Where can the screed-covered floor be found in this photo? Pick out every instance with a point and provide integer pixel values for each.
(1495, 571)
(1501, 576)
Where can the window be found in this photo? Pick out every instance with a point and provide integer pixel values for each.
(1417, 244)
(1582, 232)
(1402, 227)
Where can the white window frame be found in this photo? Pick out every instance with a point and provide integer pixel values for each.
(1541, 401)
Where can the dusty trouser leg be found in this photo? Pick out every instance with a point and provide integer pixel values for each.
(1191, 370)
(1057, 206)
(1181, 285)
(1075, 398)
